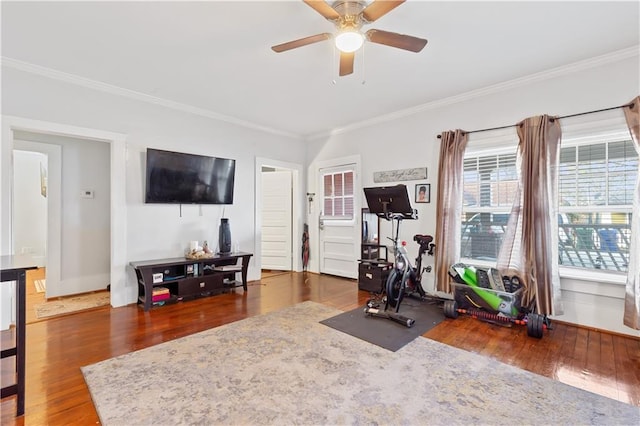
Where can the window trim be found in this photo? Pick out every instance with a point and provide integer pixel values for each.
(593, 275)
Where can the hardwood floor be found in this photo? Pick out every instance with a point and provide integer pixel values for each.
(56, 392)
(33, 297)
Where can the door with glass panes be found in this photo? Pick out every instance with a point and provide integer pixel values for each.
(338, 227)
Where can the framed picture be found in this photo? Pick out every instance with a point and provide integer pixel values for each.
(43, 180)
(423, 193)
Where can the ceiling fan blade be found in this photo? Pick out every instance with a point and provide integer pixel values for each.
(346, 63)
(401, 41)
(323, 9)
(301, 42)
(379, 8)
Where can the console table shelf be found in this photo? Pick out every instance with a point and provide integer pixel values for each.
(14, 268)
(185, 278)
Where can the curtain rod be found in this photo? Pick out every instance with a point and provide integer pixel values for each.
(552, 118)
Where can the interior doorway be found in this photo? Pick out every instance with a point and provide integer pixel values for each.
(121, 293)
(280, 247)
(30, 223)
(277, 217)
(36, 202)
(30, 170)
(77, 250)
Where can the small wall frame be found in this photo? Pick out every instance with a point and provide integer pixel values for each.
(423, 193)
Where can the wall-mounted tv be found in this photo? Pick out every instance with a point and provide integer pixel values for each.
(180, 178)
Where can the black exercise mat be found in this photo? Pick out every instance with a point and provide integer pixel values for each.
(387, 333)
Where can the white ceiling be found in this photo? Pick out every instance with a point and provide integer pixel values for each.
(216, 55)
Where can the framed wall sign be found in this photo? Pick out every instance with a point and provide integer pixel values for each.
(400, 175)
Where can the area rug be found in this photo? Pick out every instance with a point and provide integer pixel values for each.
(384, 332)
(285, 367)
(70, 304)
(40, 285)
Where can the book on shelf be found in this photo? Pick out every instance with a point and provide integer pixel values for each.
(229, 268)
(160, 297)
(173, 278)
(159, 290)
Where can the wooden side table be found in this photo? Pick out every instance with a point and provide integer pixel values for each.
(14, 268)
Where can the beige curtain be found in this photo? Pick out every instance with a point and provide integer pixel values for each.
(530, 245)
(449, 205)
(632, 293)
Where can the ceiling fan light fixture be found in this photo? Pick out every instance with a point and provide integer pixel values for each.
(349, 41)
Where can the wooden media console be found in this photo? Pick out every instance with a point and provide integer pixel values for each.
(186, 278)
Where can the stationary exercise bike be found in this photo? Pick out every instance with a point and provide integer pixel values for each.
(404, 278)
(392, 203)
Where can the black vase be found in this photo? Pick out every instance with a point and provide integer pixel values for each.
(224, 236)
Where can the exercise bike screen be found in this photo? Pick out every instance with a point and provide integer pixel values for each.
(394, 198)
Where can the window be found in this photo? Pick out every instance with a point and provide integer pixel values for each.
(490, 184)
(338, 195)
(596, 186)
(596, 181)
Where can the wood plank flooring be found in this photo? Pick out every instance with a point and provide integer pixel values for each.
(33, 297)
(57, 347)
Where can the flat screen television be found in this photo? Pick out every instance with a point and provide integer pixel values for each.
(180, 178)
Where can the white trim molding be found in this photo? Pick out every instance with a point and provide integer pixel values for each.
(616, 56)
(120, 293)
(139, 96)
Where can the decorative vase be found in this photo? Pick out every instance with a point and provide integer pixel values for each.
(224, 236)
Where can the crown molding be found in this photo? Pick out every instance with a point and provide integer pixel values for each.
(131, 94)
(616, 56)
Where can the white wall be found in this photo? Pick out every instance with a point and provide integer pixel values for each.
(153, 231)
(30, 208)
(394, 143)
(411, 141)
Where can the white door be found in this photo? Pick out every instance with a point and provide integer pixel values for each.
(338, 224)
(276, 220)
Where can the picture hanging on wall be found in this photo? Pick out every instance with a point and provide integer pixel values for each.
(43, 181)
(423, 193)
(400, 175)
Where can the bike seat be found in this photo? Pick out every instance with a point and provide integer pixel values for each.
(425, 242)
(423, 239)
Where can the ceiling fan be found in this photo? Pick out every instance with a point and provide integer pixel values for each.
(349, 16)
